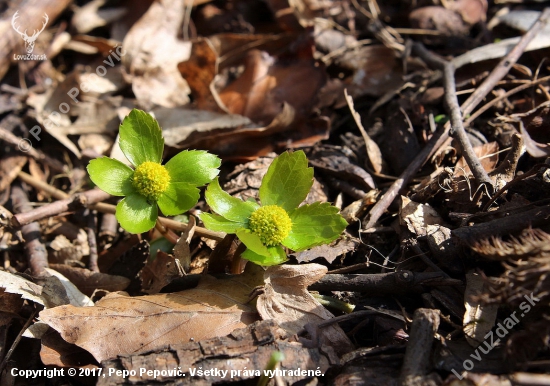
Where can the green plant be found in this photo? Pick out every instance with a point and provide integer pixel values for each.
(172, 187)
(279, 221)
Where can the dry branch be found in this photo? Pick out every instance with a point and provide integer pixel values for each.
(442, 135)
(37, 256)
(416, 364)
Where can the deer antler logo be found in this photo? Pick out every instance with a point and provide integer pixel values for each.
(29, 40)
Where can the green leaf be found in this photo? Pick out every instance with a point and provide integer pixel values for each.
(278, 256)
(313, 225)
(252, 242)
(179, 197)
(218, 223)
(135, 214)
(229, 207)
(287, 181)
(111, 176)
(196, 167)
(141, 138)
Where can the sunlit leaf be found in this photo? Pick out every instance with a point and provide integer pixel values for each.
(313, 225)
(229, 207)
(287, 181)
(111, 176)
(135, 214)
(141, 138)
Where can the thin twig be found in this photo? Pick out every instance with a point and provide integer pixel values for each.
(451, 100)
(24, 146)
(91, 230)
(513, 91)
(440, 136)
(37, 256)
(73, 203)
(17, 340)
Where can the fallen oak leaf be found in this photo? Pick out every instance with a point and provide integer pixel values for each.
(160, 272)
(287, 301)
(121, 325)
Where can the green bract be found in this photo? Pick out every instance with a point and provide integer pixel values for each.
(172, 187)
(279, 221)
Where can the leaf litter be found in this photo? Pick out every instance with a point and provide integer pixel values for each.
(457, 260)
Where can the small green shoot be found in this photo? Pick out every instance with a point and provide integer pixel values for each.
(276, 358)
(173, 187)
(279, 221)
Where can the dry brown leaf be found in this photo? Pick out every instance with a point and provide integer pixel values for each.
(18, 285)
(373, 151)
(199, 72)
(10, 302)
(10, 165)
(88, 281)
(287, 301)
(376, 70)
(479, 318)
(98, 116)
(245, 144)
(471, 11)
(488, 156)
(445, 21)
(328, 252)
(120, 324)
(58, 286)
(54, 351)
(54, 290)
(416, 217)
(153, 52)
(265, 85)
(90, 16)
(181, 125)
(159, 272)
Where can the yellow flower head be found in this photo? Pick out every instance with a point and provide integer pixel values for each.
(151, 180)
(271, 223)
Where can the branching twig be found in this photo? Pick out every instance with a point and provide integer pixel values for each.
(451, 100)
(442, 135)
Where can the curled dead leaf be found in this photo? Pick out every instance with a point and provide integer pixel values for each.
(287, 301)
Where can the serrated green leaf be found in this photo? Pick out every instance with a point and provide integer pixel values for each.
(141, 138)
(278, 256)
(287, 181)
(218, 223)
(179, 197)
(252, 242)
(111, 176)
(196, 167)
(227, 206)
(313, 225)
(135, 214)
